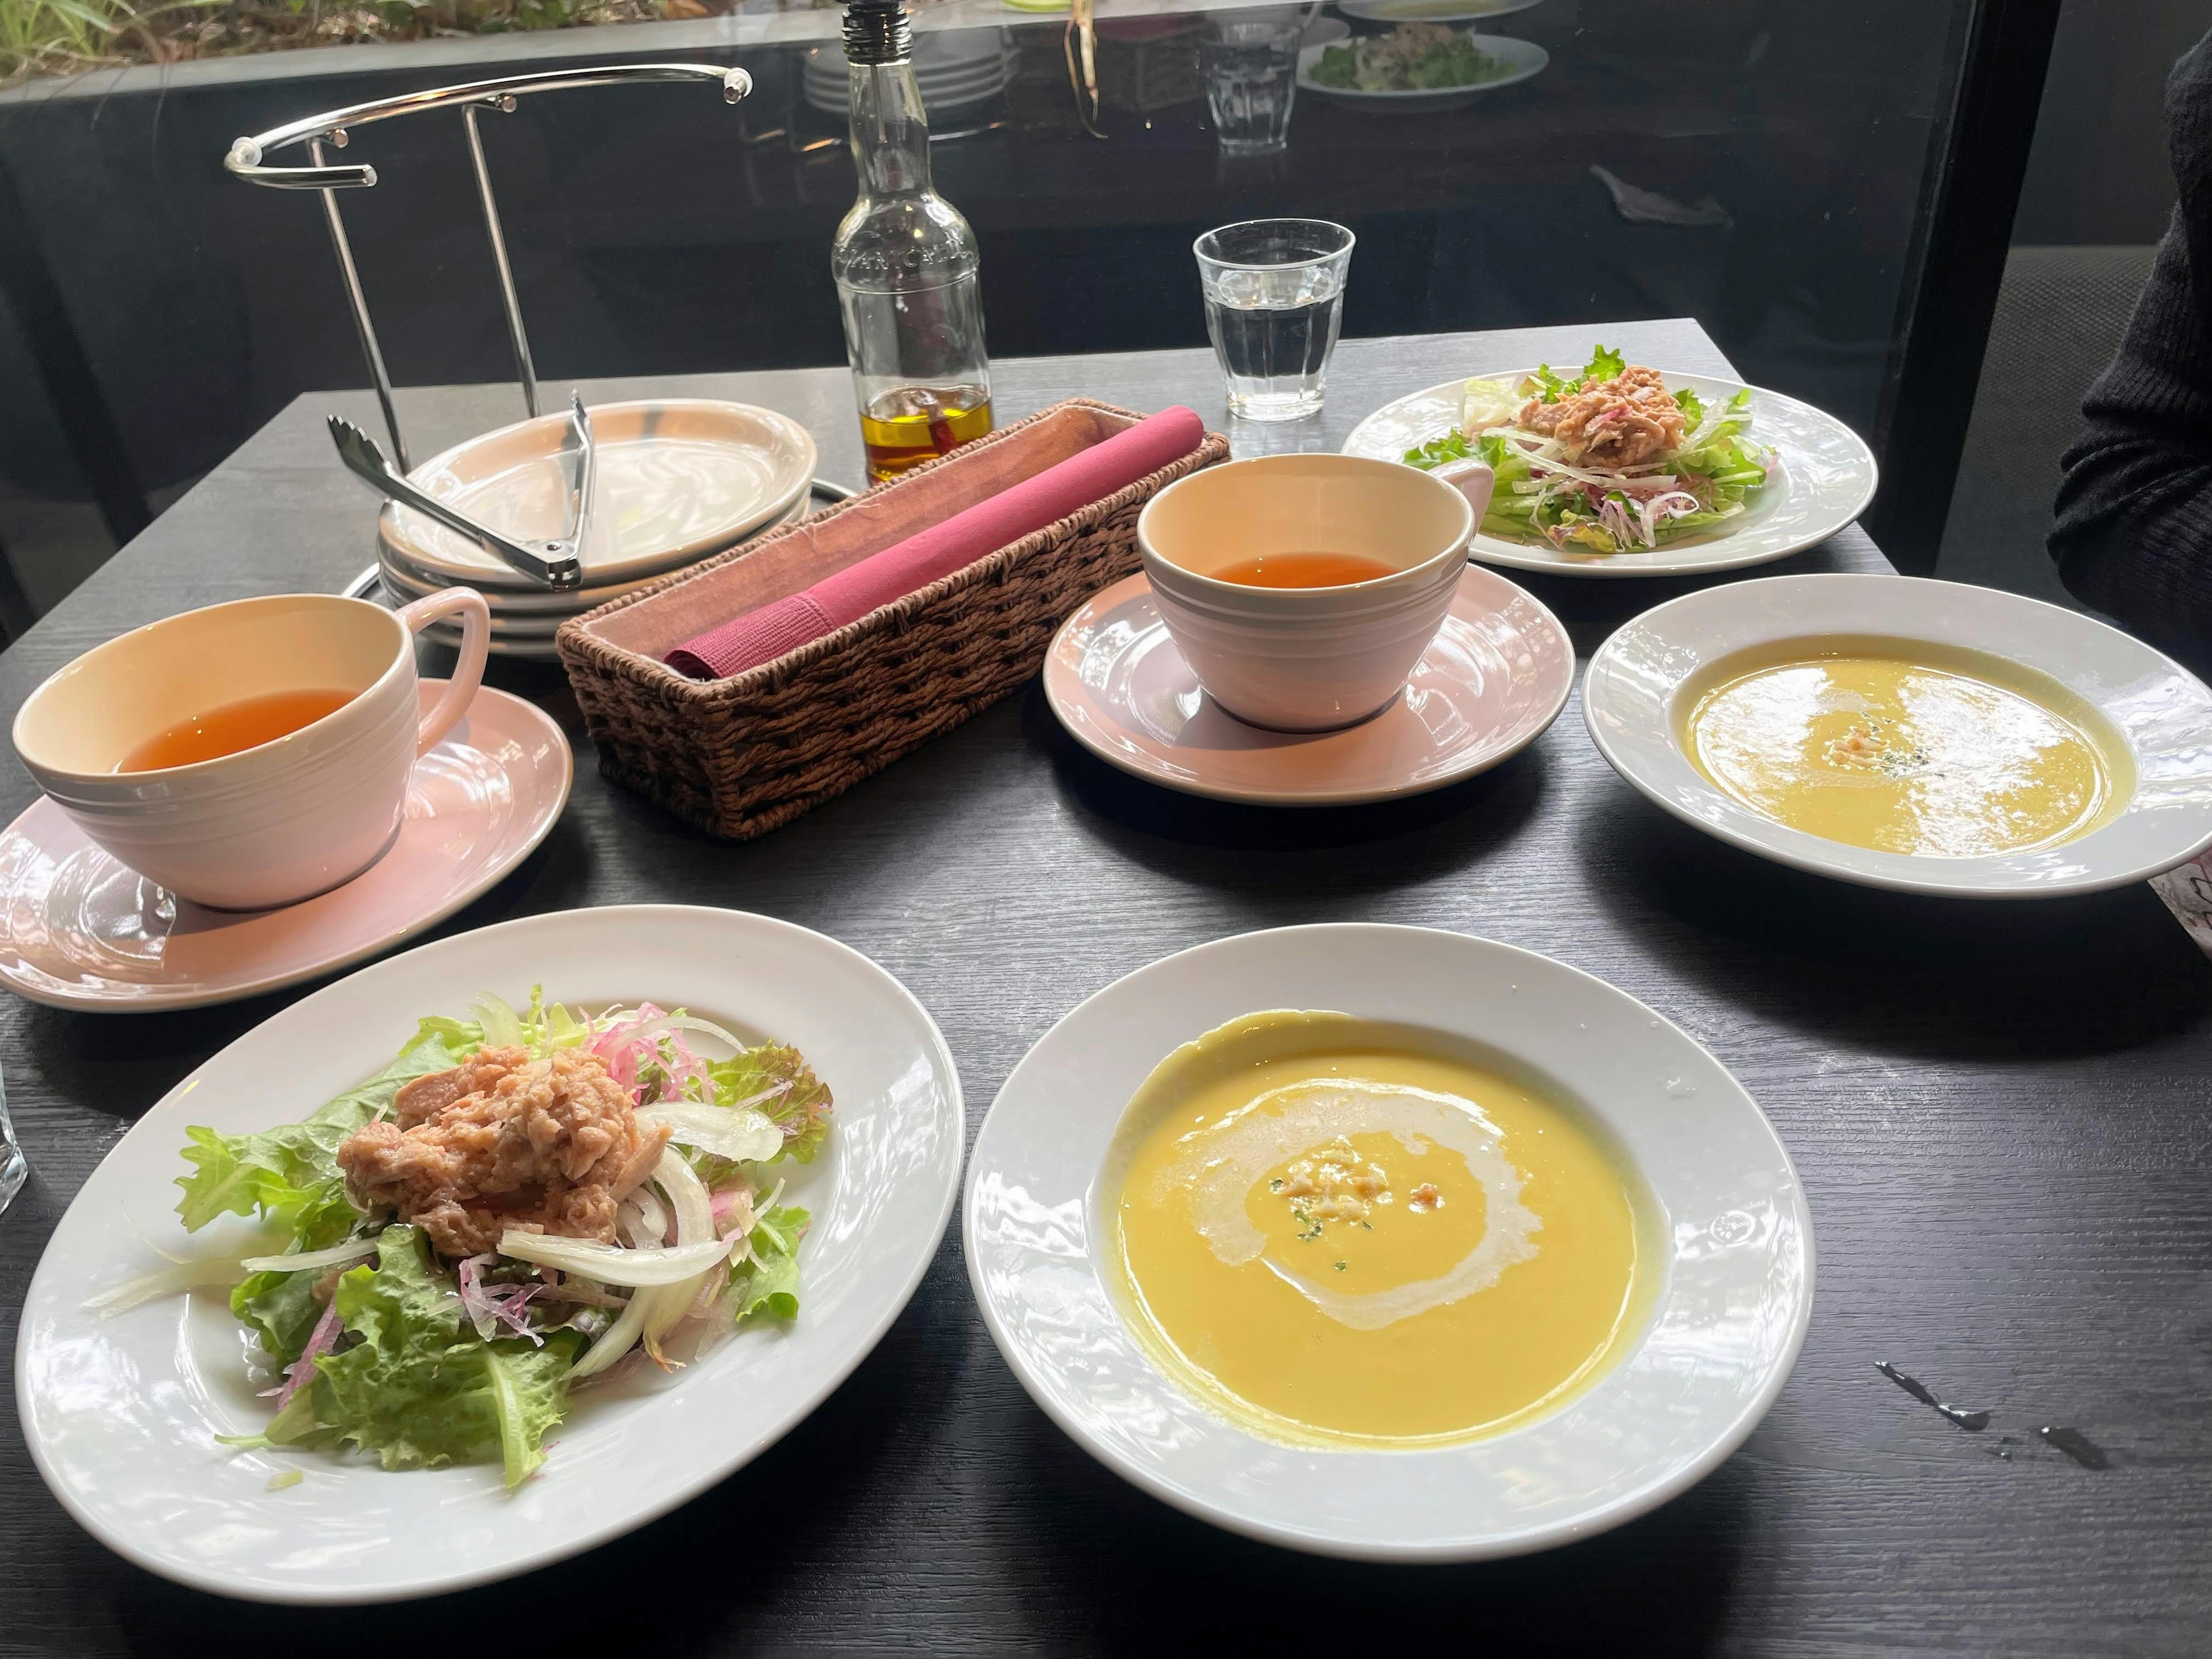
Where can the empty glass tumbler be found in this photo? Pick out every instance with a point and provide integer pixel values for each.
(1274, 297)
(1251, 78)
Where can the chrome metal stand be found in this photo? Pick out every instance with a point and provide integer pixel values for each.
(247, 160)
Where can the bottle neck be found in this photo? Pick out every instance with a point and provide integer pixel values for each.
(890, 130)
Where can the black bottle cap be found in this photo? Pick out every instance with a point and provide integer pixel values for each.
(877, 32)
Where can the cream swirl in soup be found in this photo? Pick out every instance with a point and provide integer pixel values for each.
(1338, 1232)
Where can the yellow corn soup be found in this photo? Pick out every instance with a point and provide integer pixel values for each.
(1339, 1232)
(1901, 746)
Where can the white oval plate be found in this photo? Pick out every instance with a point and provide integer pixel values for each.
(1527, 57)
(1827, 478)
(1724, 1328)
(121, 1414)
(676, 478)
(2161, 710)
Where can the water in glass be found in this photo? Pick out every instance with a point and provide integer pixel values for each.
(1274, 297)
(1251, 79)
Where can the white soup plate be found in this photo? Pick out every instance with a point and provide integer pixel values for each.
(1827, 477)
(1725, 1319)
(2161, 711)
(122, 1413)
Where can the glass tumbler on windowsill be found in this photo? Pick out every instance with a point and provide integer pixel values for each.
(1274, 298)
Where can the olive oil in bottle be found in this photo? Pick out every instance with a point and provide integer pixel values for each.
(906, 265)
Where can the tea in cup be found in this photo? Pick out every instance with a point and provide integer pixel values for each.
(251, 754)
(1302, 589)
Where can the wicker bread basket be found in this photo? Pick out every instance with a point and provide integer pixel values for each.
(740, 756)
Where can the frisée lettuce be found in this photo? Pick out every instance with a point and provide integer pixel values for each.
(1549, 489)
(389, 1347)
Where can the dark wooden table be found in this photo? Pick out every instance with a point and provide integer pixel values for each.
(1998, 1111)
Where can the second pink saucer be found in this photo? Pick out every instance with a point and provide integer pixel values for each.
(79, 930)
(1497, 674)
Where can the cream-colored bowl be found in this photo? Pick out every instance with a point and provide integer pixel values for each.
(1308, 659)
(271, 824)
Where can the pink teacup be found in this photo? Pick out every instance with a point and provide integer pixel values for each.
(1309, 659)
(285, 819)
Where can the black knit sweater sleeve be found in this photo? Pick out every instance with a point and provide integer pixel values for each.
(2133, 536)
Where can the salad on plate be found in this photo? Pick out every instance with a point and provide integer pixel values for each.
(1606, 460)
(1412, 57)
(520, 1204)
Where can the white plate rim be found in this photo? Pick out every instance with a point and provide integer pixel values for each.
(1720, 1446)
(1205, 791)
(1660, 562)
(390, 521)
(157, 1002)
(1705, 807)
(1529, 60)
(600, 1531)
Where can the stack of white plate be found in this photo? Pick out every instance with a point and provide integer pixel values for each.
(954, 69)
(677, 481)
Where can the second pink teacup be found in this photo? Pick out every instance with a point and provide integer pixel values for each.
(1230, 552)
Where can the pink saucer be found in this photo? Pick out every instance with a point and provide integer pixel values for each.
(79, 930)
(1497, 674)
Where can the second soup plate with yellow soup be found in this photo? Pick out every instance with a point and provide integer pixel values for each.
(1924, 736)
(1387, 1242)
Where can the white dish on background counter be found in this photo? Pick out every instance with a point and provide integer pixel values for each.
(121, 1414)
(1828, 477)
(1726, 1320)
(1525, 58)
(2161, 711)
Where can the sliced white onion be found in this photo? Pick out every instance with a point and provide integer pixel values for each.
(695, 1220)
(620, 1338)
(744, 1136)
(205, 1273)
(352, 1250)
(611, 1264)
(693, 1023)
(643, 1214)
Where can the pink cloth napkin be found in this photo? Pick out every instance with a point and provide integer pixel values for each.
(764, 635)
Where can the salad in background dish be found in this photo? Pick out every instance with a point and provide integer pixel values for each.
(1412, 57)
(519, 1203)
(1606, 460)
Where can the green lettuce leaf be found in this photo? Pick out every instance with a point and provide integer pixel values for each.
(1452, 447)
(777, 1080)
(418, 1387)
(769, 1284)
(1604, 364)
(1693, 407)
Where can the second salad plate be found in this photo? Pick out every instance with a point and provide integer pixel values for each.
(1825, 479)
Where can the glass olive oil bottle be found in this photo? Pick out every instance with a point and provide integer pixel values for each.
(906, 265)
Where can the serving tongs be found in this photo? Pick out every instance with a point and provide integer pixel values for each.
(555, 563)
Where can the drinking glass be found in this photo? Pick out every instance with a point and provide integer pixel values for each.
(1274, 296)
(1251, 78)
(13, 1169)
